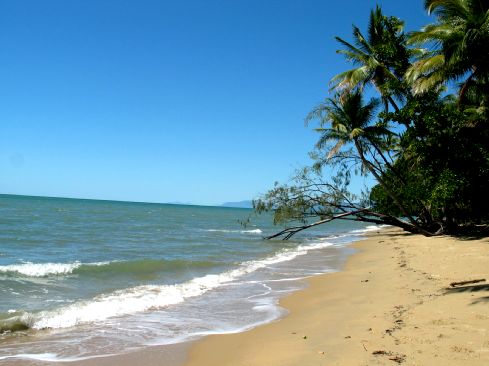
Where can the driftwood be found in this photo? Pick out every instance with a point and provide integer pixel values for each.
(454, 284)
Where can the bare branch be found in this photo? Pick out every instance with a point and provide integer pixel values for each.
(289, 232)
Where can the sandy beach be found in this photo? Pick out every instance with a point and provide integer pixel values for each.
(391, 304)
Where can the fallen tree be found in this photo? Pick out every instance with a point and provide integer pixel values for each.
(311, 202)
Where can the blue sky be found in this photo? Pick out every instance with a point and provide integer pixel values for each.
(162, 101)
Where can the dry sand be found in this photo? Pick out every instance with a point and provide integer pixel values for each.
(391, 304)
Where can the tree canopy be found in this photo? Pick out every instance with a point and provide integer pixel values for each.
(424, 137)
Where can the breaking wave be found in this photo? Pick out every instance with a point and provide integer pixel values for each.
(145, 297)
(29, 269)
(252, 231)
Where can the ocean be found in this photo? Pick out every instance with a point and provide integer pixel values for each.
(85, 278)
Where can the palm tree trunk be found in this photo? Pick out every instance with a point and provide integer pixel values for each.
(389, 165)
(393, 104)
(388, 190)
(387, 99)
(465, 86)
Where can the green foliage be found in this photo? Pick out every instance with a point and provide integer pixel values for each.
(461, 39)
(444, 192)
(444, 162)
(428, 151)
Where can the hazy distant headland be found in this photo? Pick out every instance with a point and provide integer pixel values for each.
(239, 204)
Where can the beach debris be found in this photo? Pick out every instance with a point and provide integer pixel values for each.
(398, 324)
(365, 348)
(364, 281)
(461, 283)
(304, 337)
(347, 337)
(321, 352)
(399, 358)
(460, 349)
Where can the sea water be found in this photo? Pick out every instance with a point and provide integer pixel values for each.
(85, 278)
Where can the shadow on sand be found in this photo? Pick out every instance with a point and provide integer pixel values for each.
(474, 288)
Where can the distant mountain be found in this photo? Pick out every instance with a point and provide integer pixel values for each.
(240, 204)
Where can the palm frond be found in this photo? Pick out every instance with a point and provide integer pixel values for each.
(335, 149)
(354, 57)
(447, 8)
(356, 132)
(351, 78)
(432, 33)
(361, 41)
(349, 46)
(424, 67)
(433, 82)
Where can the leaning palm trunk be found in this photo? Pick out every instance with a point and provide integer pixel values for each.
(393, 104)
(391, 194)
(387, 163)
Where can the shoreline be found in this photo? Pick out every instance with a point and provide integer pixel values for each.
(176, 354)
(256, 286)
(388, 304)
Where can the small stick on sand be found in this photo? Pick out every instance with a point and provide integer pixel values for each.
(454, 284)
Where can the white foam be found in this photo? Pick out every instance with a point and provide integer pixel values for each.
(253, 231)
(33, 356)
(40, 269)
(148, 297)
(49, 357)
(30, 269)
(368, 229)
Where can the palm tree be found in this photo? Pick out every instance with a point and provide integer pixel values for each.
(350, 119)
(346, 120)
(459, 46)
(381, 59)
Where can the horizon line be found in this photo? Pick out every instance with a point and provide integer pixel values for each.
(116, 200)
